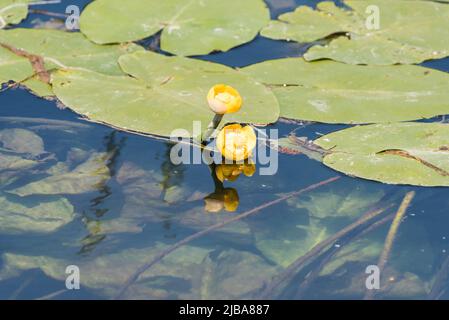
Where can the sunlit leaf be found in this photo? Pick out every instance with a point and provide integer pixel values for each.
(58, 49)
(409, 31)
(163, 94)
(400, 153)
(190, 27)
(332, 92)
(12, 11)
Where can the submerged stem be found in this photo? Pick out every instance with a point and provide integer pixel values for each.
(391, 236)
(301, 261)
(133, 278)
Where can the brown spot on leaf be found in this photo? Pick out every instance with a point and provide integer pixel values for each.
(37, 62)
(405, 154)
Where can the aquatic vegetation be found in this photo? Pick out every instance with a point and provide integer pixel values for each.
(109, 198)
(189, 28)
(332, 92)
(236, 142)
(224, 99)
(400, 153)
(160, 88)
(12, 12)
(356, 39)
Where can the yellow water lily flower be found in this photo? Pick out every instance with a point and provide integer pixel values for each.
(227, 199)
(231, 172)
(224, 99)
(236, 142)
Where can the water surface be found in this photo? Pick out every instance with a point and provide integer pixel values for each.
(149, 204)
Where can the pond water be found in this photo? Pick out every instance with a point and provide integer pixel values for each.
(135, 204)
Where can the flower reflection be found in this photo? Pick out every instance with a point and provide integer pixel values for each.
(231, 172)
(226, 198)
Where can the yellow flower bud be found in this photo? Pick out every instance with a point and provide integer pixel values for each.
(236, 142)
(224, 99)
(231, 172)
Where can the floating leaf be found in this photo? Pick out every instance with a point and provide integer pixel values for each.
(399, 153)
(85, 177)
(57, 49)
(190, 27)
(13, 67)
(42, 216)
(409, 31)
(332, 92)
(163, 94)
(12, 11)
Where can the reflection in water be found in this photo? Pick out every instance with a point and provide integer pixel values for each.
(95, 236)
(173, 175)
(137, 218)
(226, 198)
(231, 172)
(113, 151)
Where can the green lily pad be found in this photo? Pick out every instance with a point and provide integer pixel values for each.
(399, 153)
(13, 67)
(332, 92)
(409, 31)
(58, 49)
(85, 177)
(192, 27)
(42, 216)
(12, 11)
(163, 94)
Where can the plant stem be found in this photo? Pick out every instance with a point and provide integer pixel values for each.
(211, 128)
(389, 240)
(301, 261)
(201, 233)
(332, 251)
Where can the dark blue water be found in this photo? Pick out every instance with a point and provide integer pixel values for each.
(149, 204)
